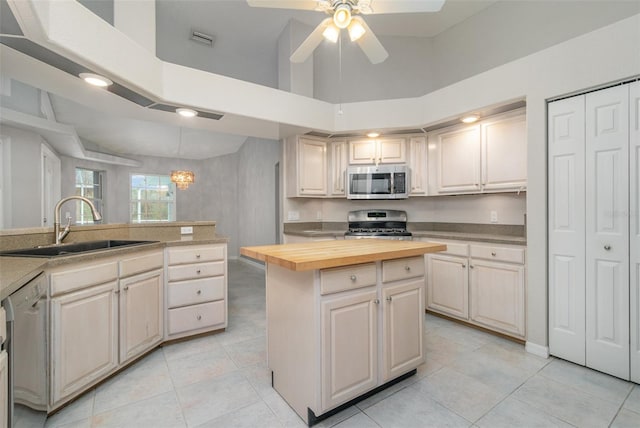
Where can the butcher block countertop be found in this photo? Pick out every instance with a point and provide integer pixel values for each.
(327, 254)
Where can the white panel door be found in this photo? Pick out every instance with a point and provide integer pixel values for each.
(566, 229)
(607, 230)
(51, 187)
(634, 225)
(448, 285)
(392, 151)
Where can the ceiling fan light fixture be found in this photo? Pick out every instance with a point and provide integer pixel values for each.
(331, 33)
(342, 15)
(356, 29)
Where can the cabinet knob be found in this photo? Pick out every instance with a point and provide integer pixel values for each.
(125, 288)
(197, 256)
(389, 299)
(607, 247)
(493, 253)
(199, 292)
(353, 278)
(463, 265)
(471, 266)
(199, 317)
(376, 301)
(407, 268)
(198, 271)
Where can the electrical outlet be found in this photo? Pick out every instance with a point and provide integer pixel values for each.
(293, 215)
(494, 216)
(318, 215)
(186, 230)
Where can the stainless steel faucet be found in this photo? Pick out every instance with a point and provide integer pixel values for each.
(56, 217)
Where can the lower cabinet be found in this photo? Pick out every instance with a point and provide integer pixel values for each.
(369, 320)
(84, 338)
(481, 284)
(4, 389)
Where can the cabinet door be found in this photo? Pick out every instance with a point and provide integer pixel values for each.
(362, 152)
(418, 165)
(403, 321)
(458, 160)
(504, 153)
(141, 305)
(607, 230)
(4, 389)
(566, 229)
(84, 338)
(312, 167)
(349, 347)
(338, 167)
(497, 296)
(392, 151)
(447, 285)
(634, 224)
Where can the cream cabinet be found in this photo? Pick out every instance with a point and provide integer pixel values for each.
(418, 166)
(196, 290)
(490, 156)
(84, 327)
(141, 304)
(337, 168)
(4, 389)
(377, 151)
(306, 167)
(335, 334)
(482, 284)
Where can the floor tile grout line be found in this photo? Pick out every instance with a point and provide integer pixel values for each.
(621, 406)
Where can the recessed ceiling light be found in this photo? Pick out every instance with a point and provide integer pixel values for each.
(96, 80)
(470, 118)
(186, 112)
(373, 134)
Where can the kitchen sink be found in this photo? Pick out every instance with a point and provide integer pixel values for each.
(73, 248)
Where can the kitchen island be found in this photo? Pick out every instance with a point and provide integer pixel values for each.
(344, 319)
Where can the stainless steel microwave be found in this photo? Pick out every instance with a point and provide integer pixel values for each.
(378, 182)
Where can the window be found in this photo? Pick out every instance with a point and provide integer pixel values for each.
(152, 198)
(89, 183)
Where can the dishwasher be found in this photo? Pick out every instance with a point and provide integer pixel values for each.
(27, 346)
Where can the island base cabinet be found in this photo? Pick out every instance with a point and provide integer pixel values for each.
(497, 296)
(349, 347)
(141, 320)
(402, 332)
(84, 338)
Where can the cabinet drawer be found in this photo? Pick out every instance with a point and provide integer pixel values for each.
(454, 248)
(503, 254)
(196, 317)
(88, 275)
(195, 254)
(141, 263)
(195, 270)
(347, 278)
(196, 291)
(394, 270)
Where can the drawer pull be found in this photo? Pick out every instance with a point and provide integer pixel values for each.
(607, 247)
(376, 301)
(197, 256)
(493, 253)
(407, 268)
(389, 299)
(199, 292)
(199, 317)
(353, 278)
(198, 271)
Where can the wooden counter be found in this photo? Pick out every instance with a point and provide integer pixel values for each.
(327, 254)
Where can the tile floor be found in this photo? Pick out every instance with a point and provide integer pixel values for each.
(470, 379)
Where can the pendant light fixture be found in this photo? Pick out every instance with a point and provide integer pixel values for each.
(182, 178)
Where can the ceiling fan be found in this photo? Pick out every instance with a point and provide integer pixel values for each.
(345, 14)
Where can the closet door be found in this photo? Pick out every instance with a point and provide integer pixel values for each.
(634, 224)
(566, 229)
(607, 230)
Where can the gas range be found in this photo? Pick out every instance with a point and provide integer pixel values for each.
(381, 224)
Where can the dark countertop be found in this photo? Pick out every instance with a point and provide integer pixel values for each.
(17, 271)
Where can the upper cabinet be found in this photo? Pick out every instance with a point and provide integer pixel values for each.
(306, 167)
(377, 151)
(337, 168)
(418, 166)
(487, 157)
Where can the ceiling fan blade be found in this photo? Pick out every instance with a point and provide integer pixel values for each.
(312, 41)
(370, 44)
(285, 4)
(403, 6)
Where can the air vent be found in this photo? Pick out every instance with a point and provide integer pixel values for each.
(203, 38)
